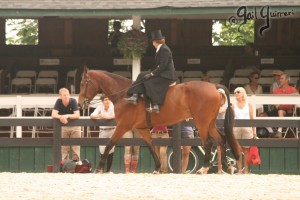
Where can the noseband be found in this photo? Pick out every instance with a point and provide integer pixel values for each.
(86, 100)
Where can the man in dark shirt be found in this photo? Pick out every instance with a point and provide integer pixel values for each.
(67, 108)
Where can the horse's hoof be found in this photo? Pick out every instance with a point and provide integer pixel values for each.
(203, 170)
(98, 171)
(230, 170)
(155, 172)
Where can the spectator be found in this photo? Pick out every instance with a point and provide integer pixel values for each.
(161, 151)
(281, 110)
(243, 110)
(105, 110)
(131, 153)
(249, 49)
(205, 78)
(186, 132)
(67, 108)
(276, 83)
(253, 87)
(272, 110)
(221, 115)
(298, 84)
(114, 38)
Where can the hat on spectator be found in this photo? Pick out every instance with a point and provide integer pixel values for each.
(277, 72)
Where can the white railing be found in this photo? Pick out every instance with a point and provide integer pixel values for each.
(19, 102)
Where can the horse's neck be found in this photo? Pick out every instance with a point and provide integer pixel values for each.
(115, 88)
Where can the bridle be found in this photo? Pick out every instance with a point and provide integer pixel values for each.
(86, 100)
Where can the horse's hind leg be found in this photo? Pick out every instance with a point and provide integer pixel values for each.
(216, 135)
(207, 164)
(145, 133)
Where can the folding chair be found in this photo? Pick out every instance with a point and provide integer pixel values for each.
(20, 83)
(47, 79)
(215, 73)
(192, 74)
(27, 74)
(215, 80)
(184, 80)
(237, 82)
(48, 83)
(293, 130)
(242, 72)
(292, 72)
(179, 75)
(93, 129)
(266, 73)
(71, 77)
(9, 103)
(266, 83)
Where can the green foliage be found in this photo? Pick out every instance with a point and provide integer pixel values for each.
(230, 34)
(25, 31)
(133, 43)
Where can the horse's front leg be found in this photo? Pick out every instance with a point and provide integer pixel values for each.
(145, 133)
(111, 143)
(207, 165)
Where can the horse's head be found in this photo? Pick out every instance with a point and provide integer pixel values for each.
(88, 89)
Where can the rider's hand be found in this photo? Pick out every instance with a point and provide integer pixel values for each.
(147, 76)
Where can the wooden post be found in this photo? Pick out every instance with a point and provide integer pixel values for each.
(56, 145)
(177, 148)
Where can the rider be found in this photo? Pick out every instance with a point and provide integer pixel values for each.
(154, 84)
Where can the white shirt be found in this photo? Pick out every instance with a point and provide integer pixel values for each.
(241, 113)
(222, 115)
(107, 113)
(158, 47)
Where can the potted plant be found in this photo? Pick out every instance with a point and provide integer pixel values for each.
(133, 44)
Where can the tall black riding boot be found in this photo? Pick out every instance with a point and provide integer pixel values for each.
(133, 99)
(109, 161)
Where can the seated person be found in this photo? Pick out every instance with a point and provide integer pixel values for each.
(253, 87)
(205, 78)
(281, 110)
(276, 83)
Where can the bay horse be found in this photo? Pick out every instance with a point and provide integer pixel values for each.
(196, 99)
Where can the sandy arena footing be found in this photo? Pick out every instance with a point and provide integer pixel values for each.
(37, 186)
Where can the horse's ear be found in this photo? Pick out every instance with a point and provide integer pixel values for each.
(85, 69)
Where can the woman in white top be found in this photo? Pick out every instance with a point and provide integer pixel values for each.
(105, 110)
(253, 87)
(243, 110)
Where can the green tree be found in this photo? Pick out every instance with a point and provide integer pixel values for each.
(22, 31)
(228, 34)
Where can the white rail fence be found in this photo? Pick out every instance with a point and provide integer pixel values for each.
(19, 103)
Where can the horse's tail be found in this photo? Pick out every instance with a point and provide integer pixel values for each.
(228, 125)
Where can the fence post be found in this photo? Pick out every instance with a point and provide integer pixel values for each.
(177, 148)
(56, 145)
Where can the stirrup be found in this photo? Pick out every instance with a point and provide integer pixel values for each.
(132, 99)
